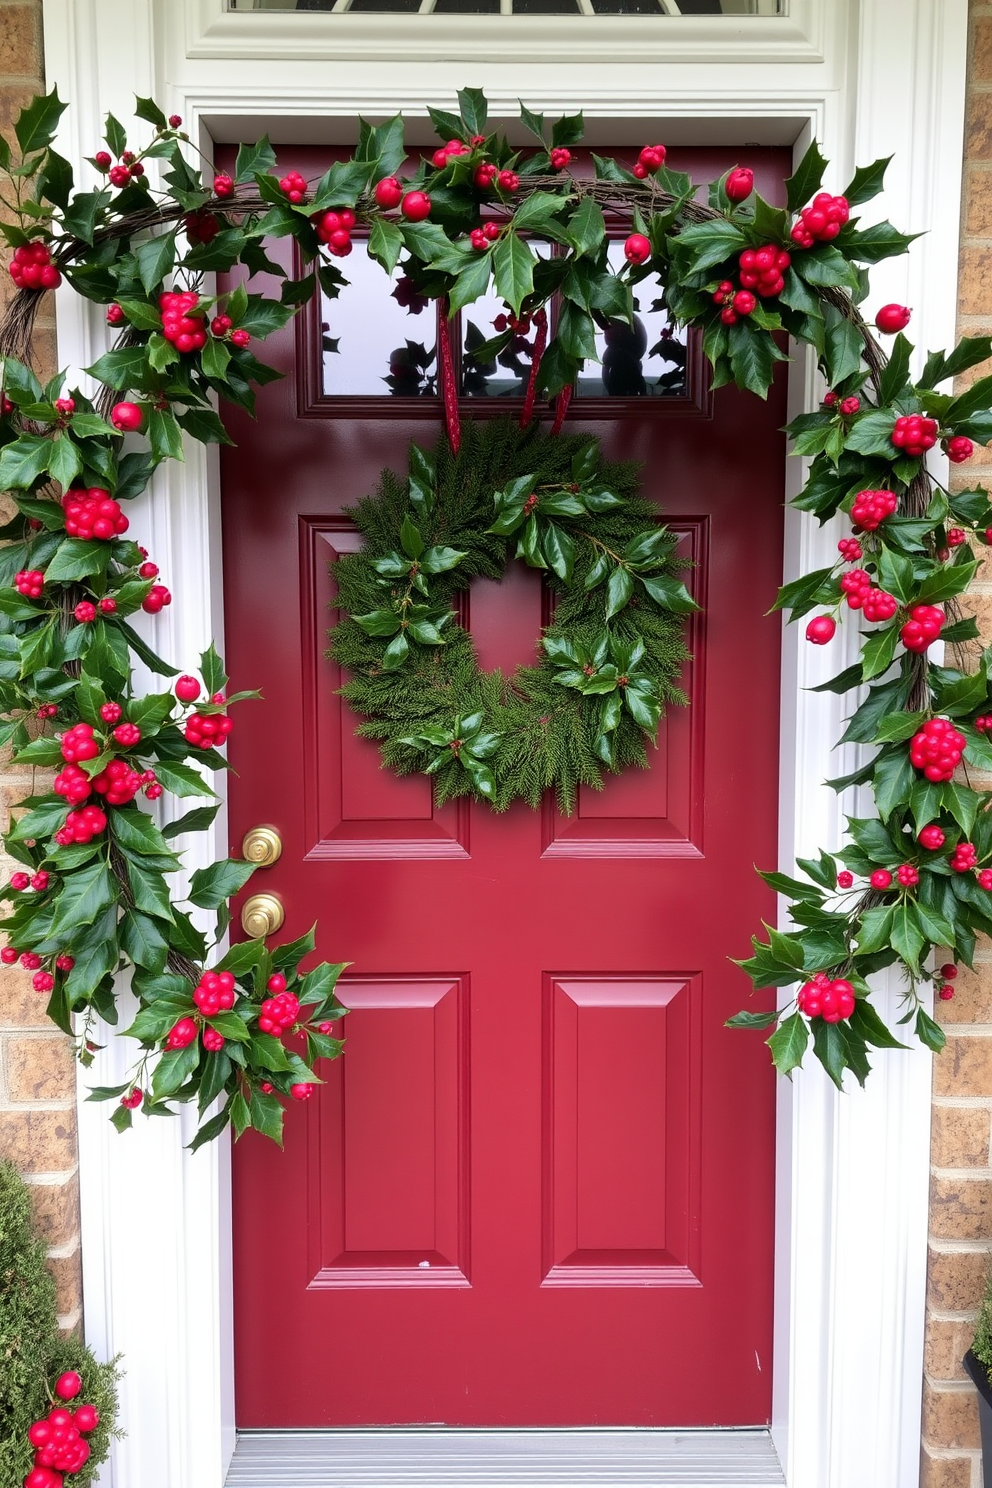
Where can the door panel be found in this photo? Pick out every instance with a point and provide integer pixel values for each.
(538, 1187)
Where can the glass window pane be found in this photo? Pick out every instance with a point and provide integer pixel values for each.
(378, 337)
(505, 377)
(645, 360)
(734, 8)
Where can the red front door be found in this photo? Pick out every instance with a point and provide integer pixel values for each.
(537, 1189)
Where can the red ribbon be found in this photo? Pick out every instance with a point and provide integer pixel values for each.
(448, 389)
(540, 342)
(561, 408)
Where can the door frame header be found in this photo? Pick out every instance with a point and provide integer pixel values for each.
(866, 78)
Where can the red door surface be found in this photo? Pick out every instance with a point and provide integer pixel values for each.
(537, 1189)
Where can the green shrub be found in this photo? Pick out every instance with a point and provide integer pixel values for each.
(981, 1345)
(32, 1353)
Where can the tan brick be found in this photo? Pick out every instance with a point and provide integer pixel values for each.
(972, 1000)
(945, 1347)
(975, 289)
(964, 1067)
(959, 1137)
(55, 1211)
(42, 1069)
(956, 1279)
(980, 58)
(961, 1209)
(978, 127)
(20, 42)
(978, 203)
(20, 1005)
(944, 1472)
(38, 1141)
(68, 1282)
(950, 1417)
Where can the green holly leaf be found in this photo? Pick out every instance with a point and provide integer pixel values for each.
(788, 1044)
(213, 886)
(513, 265)
(36, 124)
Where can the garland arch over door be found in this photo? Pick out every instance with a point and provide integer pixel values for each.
(539, 1183)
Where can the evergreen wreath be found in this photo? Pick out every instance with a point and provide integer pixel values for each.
(609, 657)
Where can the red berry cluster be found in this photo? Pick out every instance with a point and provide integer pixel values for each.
(931, 837)
(914, 434)
(78, 743)
(485, 174)
(845, 879)
(560, 158)
(937, 749)
(862, 595)
(907, 875)
(119, 783)
(81, 826)
(207, 730)
(508, 180)
(21, 881)
(964, 857)
(29, 582)
(948, 971)
(651, 159)
(201, 226)
(821, 221)
(58, 1437)
(128, 168)
(520, 324)
(846, 406)
(444, 153)
(922, 628)
(223, 185)
(334, 230)
(481, 237)
(214, 993)
(850, 549)
(826, 998)
(32, 268)
(871, 508)
(984, 724)
(183, 329)
(281, 1010)
(91, 512)
(156, 599)
(958, 449)
(762, 269)
(293, 185)
(72, 783)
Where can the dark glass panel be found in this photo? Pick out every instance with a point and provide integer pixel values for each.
(645, 360)
(377, 341)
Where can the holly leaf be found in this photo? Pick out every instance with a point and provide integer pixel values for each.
(213, 886)
(807, 178)
(513, 266)
(788, 1044)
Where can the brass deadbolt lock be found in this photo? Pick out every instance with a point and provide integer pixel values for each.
(262, 846)
(262, 915)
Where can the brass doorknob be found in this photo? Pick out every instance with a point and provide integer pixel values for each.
(262, 915)
(262, 846)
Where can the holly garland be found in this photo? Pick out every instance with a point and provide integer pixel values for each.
(610, 656)
(98, 895)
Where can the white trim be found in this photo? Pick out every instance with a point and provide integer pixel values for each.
(878, 77)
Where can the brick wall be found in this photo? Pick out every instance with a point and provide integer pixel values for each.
(37, 1079)
(960, 1152)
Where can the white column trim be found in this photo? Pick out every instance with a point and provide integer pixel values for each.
(875, 77)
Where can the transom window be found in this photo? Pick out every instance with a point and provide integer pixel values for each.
(671, 8)
(379, 340)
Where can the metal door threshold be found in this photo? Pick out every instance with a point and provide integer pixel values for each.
(448, 1458)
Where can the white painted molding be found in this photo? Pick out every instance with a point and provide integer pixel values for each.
(865, 78)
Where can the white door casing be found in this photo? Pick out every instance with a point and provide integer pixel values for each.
(866, 79)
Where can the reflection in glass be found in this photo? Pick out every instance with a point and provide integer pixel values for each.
(504, 376)
(375, 341)
(643, 360)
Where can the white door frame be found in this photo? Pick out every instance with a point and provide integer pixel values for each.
(868, 78)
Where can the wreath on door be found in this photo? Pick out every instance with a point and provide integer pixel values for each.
(606, 665)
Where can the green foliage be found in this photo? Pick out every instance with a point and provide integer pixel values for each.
(554, 503)
(33, 1352)
(981, 1344)
(592, 698)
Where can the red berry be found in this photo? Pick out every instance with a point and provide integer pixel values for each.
(301, 1092)
(181, 1034)
(68, 1385)
(881, 878)
(870, 509)
(948, 971)
(850, 406)
(111, 712)
(276, 983)
(107, 605)
(744, 302)
(85, 612)
(931, 837)
(821, 629)
(560, 158)
(955, 537)
(127, 417)
(845, 879)
(892, 318)
(945, 993)
(19, 881)
(907, 875)
(223, 185)
(64, 963)
(240, 338)
(9, 955)
(156, 599)
(115, 315)
(959, 449)
(102, 160)
(508, 180)
(740, 183)
(187, 689)
(388, 193)
(174, 122)
(132, 1100)
(43, 981)
(416, 206)
(637, 249)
